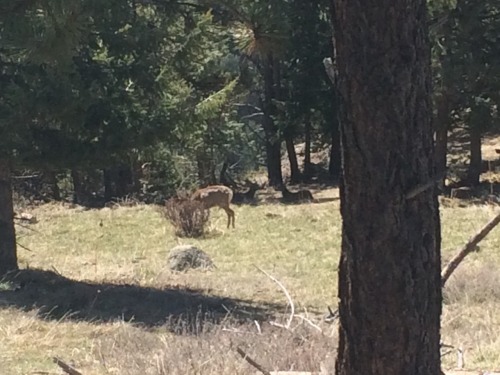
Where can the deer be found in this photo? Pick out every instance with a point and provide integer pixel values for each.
(249, 195)
(216, 196)
(296, 197)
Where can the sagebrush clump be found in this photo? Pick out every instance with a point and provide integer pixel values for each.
(188, 217)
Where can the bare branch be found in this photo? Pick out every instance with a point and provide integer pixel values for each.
(310, 322)
(257, 109)
(250, 117)
(252, 362)
(289, 298)
(468, 248)
(65, 367)
(419, 189)
(24, 247)
(25, 177)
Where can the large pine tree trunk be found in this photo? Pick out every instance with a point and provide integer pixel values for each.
(389, 274)
(8, 254)
(474, 171)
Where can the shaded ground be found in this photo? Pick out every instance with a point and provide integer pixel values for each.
(181, 308)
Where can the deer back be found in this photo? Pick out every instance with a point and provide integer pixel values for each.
(215, 195)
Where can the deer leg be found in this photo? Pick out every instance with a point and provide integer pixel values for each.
(230, 216)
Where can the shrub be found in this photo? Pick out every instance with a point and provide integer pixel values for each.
(188, 217)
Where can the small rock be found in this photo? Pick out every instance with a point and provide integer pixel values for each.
(184, 257)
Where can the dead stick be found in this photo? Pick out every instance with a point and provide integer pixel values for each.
(419, 189)
(287, 295)
(468, 248)
(252, 362)
(24, 247)
(65, 367)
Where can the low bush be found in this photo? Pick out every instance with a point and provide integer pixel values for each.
(188, 217)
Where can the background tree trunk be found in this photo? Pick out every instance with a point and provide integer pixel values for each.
(273, 140)
(389, 276)
(273, 162)
(81, 193)
(295, 175)
(307, 149)
(474, 171)
(8, 254)
(50, 178)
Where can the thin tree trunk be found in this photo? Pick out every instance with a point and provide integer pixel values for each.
(123, 180)
(136, 174)
(51, 179)
(273, 141)
(109, 191)
(307, 149)
(474, 172)
(389, 274)
(292, 157)
(78, 189)
(206, 170)
(8, 254)
(273, 163)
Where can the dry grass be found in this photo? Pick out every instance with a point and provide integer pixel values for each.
(99, 293)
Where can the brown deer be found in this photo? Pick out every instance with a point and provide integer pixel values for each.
(249, 195)
(296, 197)
(216, 196)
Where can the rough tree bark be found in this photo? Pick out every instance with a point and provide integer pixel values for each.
(335, 166)
(8, 254)
(389, 274)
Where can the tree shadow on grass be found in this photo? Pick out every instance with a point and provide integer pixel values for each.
(182, 310)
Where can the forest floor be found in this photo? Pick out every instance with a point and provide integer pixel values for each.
(95, 291)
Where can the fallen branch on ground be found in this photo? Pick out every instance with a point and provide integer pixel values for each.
(252, 362)
(292, 306)
(468, 248)
(65, 367)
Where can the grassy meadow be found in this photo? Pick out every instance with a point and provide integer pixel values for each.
(95, 290)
